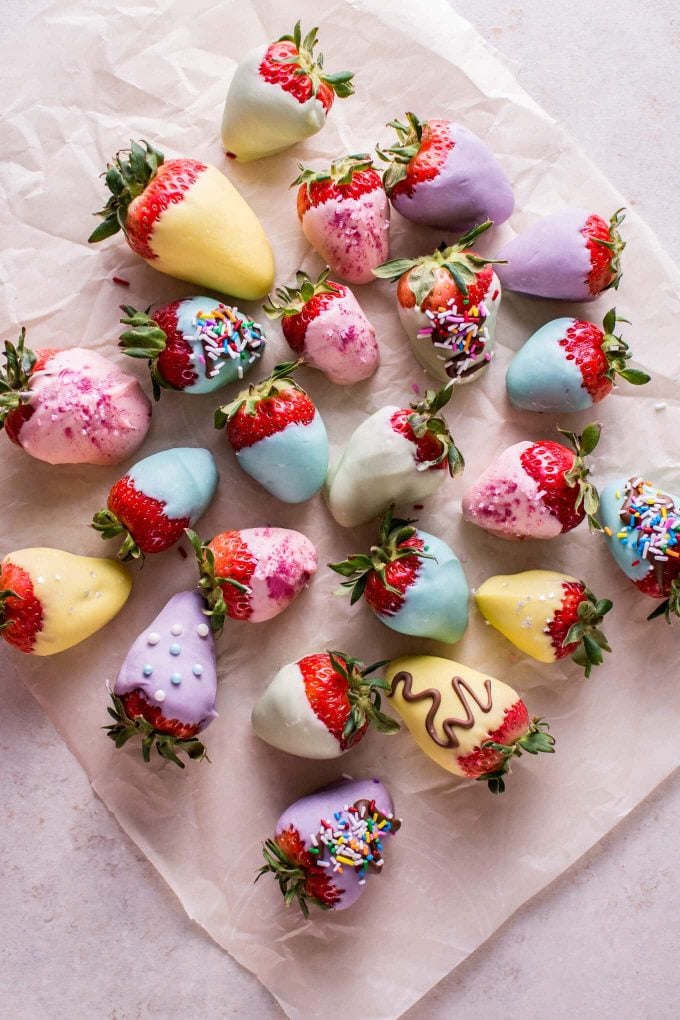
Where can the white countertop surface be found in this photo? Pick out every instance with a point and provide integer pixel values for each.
(91, 932)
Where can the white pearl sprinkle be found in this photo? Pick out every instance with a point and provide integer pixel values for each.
(153, 638)
(40, 579)
(203, 630)
(176, 629)
(159, 695)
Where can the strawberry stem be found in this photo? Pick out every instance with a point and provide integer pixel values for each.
(15, 375)
(280, 379)
(312, 66)
(292, 877)
(293, 299)
(144, 340)
(126, 178)
(427, 419)
(109, 525)
(210, 585)
(576, 477)
(363, 692)
(586, 631)
(617, 353)
(123, 728)
(669, 607)
(536, 740)
(340, 172)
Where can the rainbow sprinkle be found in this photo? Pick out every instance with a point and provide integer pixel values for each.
(463, 334)
(224, 334)
(353, 838)
(650, 524)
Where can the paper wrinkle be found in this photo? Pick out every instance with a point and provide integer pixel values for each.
(463, 861)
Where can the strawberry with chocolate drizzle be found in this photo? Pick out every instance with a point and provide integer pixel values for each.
(397, 455)
(327, 844)
(280, 94)
(442, 175)
(324, 323)
(536, 490)
(321, 706)
(572, 255)
(448, 304)
(345, 216)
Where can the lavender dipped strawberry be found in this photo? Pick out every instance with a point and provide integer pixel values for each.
(195, 344)
(157, 499)
(70, 406)
(413, 582)
(397, 455)
(536, 490)
(324, 324)
(440, 174)
(569, 365)
(278, 436)
(572, 255)
(448, 304)
(165, 690)
(321, 706)
(252, 574)
(327, 844)
(345, 216)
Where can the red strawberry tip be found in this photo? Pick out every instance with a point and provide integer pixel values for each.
(615, 244)
(15, 374)
(312, 66)
(294, 299)
(617, 352)
(109, 525)
(144, 340)
(587, 496)
(168, 746)
(535, 740)
(210, 584)
(586, 631)
(341, 171)
(425, 418)
(280, 379)
(409, 137)
(127, 175)
(668, 608)
(363, 693)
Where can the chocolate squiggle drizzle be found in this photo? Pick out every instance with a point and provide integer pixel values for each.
(451, 740)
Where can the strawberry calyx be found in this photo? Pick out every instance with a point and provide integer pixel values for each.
(292, 876)
(426, 419)
(109, 525)
(586, 631)
(462, 264)
(359, 567)
(281, 379)
(617, 352)
(293, 299)
(409, 138)
(6, 593)
(363, 694)
(615, 244)
(210, 584)
(15, 375)
(311, 65)
(587, 496)
(669, 607)
(123, 728)
(536, 740)
(145, 340)
(341, 171)
(127, 176)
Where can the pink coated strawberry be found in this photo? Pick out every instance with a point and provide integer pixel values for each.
(536, 490)
(345, 216)
(280, 94)
(572, 255)
(323, 322)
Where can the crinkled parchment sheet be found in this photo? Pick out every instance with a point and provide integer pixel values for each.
(464, 861)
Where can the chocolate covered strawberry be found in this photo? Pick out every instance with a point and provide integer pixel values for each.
(442, 175)
(546, 614)
(397, 455)
(252, 574)
(51, 600)
(345, 216)
(569, 365)
(321, 706)
(278, 436)
(196, 344)
(572, 255)
(323, 323)
(413, 582)
(448, 304)
(280, 94)
(641, 523)
(70, 406)
(327, 844)
(158, 498)
(165, 691)
(184, 218)
(536, 490)
(469, 723)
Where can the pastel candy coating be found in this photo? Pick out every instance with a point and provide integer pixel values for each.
(612, 499)
(184, 479)
(305, 816)
(284, 718)
(260, 118)
(285, 561)
(341, 342)
(540, 378)
(469, 188)
(550, 259)
(436, 605)
(351, 234)
(194, 317)
(522, 605)
(151, 667)
(291, 464)
(86, 410)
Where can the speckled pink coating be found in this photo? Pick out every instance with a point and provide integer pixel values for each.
(306, 814)
(507, 502)
(351, 234)
(86, 410)
(341, 342)
(285, 562)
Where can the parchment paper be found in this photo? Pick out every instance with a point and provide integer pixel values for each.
(464, 861)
